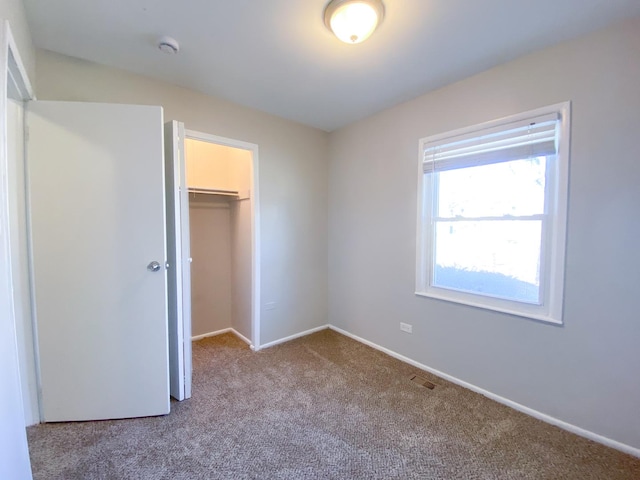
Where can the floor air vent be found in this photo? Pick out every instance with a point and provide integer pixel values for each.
(423, 382)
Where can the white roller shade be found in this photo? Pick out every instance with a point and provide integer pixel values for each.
(530, 138)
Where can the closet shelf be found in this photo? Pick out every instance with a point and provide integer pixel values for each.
(214, 191)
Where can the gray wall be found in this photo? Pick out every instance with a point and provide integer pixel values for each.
(293, 178)
(210, 230)
(586, 372)
(241, 266)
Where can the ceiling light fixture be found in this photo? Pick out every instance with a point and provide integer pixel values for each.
(353, 21)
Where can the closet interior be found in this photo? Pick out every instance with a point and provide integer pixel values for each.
(219, 180)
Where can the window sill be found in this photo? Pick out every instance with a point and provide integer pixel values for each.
(518, 313)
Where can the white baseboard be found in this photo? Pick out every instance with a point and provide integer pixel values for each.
(293, 337)
(505, 401)
(220, 332)
(210, 334)
(242, 337)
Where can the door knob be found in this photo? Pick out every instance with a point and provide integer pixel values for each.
(153, 266)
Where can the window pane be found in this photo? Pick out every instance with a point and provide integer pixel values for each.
(495, 190)
(494, 258)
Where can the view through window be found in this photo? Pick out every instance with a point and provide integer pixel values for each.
(488, 229)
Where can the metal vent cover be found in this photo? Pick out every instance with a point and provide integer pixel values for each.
(423, 382)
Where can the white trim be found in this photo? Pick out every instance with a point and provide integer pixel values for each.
(18, 466)
(16, 76)
(220, 332)
(505, 401)
(16, 70)
(195, 338)
(293, 337)
(510, 311)
(255, 223)
(226, 141)
(242, 337)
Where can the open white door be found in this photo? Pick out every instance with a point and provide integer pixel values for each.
(14, 453)
(179, 272)
(14, 85)
(96, 193)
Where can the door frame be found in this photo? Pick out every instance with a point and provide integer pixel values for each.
(14, 83)
(19, 88)
(255, 222)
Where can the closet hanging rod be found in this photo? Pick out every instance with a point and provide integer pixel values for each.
(214, 191)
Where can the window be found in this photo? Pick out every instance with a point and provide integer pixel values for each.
(492, 214)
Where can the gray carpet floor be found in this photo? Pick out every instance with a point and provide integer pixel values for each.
(320, 407)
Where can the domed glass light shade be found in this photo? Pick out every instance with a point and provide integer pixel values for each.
(353, 21)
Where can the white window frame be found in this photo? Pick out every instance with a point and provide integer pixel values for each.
(553, 243)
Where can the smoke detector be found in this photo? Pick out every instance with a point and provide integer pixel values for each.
(168, 45)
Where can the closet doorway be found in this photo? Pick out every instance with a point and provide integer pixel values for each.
(213, 227)
(220, 185)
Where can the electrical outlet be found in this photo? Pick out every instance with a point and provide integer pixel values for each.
(405, 327)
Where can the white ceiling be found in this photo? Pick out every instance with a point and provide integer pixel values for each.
(278, 57)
